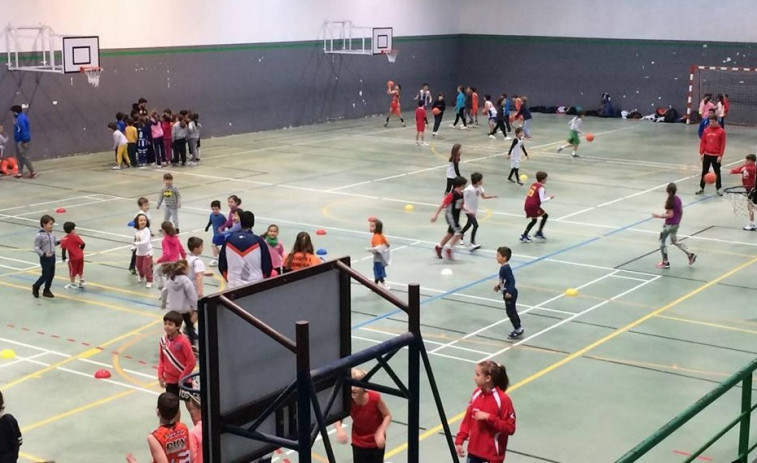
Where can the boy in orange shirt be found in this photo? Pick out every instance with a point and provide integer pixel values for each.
(382, 256)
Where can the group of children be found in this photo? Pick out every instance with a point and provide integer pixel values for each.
(140, 140)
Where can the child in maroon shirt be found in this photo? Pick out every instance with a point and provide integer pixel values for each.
(74, 246)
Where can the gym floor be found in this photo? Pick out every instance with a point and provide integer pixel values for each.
(594, 373)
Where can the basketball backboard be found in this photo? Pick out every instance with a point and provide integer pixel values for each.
(345, 38)
(382, 39)
(79, 52)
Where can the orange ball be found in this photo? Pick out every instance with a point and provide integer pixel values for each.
(589, 137)
(436, 111)
(389, 84)
(710, 177)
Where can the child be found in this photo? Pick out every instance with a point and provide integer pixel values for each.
(74, 245)
(424, 96)
(302, 254)
(394, 106)
(711, 150)
(672, 215)
(143, 249)
(10, 435)
(468, 105)
(509, 292)
(144, 208)
(453, 203)
(502, 121)
(44, 246)
(172, 250)
(181, 295)
(534, 199)
(3, 141)
(382, 256)
(524, 114)
(748, 175)
(453, 168)
(471, 193)
(170, 442)
(460, 108)
(490, 417)
(439, 105)
(514, 156)
(179, 134)
(370, 418)
(170, 194)
(193, 137)
(420, 124)
(275, 248)
(216, 220)
(196, 265)
(491, 111)
(156, 135)
(167, 128)
(119, 147)
(574, 136)
(131, 137)
(234, 202)
(121, 122)
(143, 140)
(235, 227)
(474, 105)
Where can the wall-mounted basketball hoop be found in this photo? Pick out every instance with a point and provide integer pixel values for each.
(93, 74)
(391, 55)
(345, 38)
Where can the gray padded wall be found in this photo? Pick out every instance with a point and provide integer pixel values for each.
(567, 71)
(236, 89)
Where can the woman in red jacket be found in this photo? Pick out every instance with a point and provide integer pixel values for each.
(490, 416)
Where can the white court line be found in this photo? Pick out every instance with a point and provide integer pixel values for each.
(567, 320)
(18, 217)
(628, 278)
(11, 268)
(45, 202)
(373, 330)
(552, 299)
(23, 359)
(375, 341)
(409, 245)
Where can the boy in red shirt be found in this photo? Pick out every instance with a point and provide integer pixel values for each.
(748, 174)
(74, 246)
(420, 123)
(175, 357)
(711, 149)
(535, 197)
(490, 417)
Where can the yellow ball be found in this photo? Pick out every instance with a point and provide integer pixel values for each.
(409, 207)
(571, 292)
(523, 177)
(7, 354)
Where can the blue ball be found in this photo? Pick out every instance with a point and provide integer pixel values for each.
(321, 252)
(130, 224)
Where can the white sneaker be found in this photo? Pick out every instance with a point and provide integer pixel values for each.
(385, 286)
(492, 137)
(465, 127)
(70, 286)
(81, 284)
(452, 126)
(139, 279)
(116, 167)
(508, 138)
(433, 134)
(159, 166)
(148, 285)
(425, 144)
(750, 227)
(559, 149)
(213, 263)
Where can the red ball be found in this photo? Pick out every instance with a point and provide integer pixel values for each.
(390, 84)
(710, 177)
(589, 137)
(436, 111)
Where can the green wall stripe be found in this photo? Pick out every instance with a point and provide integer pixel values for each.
(603, 41)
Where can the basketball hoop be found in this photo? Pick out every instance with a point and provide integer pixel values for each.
(739, 197)
(93, 74)
(391, 55)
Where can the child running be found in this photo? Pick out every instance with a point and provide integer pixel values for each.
(370, 418)
(171, 196)
(747, 171)
(10, 435)
(534, 199)
(490, 417)
(672, 215)
(453, 168)
(216, 220)
(394, 106)
(420, 124)
(514, 156)
(275, 248)
(509, 292)
(74, 246)
(172, 251)
(453, 203)
(471, 193)
(460, 108)
(382, 256)
(44, 246)
(574, 138)
(143, 249)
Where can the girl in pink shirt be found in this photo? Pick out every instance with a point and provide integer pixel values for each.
(172, 250)
(271, 237)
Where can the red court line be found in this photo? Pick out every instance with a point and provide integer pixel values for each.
(687, 454)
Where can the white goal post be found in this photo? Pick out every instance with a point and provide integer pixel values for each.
(739, 83)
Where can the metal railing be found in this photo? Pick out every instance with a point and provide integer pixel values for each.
(743, 377)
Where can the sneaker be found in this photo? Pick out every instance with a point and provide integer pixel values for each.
(19, 175)
(465, 127)
(450, 254)
(699, 191)
(148, 284)
(663, 265)
(508, 138)
(133, 271)
(438, 250)
(692, 258)
(35, 292)
(574, 155)
(417, 143)
(433, 134)
(116, 167)
(492, 137)
(515, 334)
(452, 126)
(34, 175)
(525, 239)
(510, 180)
(158, 166)
(750, 227)
(48, 293)
(540, 235)
(425, 144)
(403, 125)
(71, 286)
(139, 279)
(81, 284)
(719, 192)
(520, 183)
(385, 286)
(559, 149)
(475, 247)
(462, 241)
(213, 263)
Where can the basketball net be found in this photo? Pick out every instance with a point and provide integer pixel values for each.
(738, 196)
(391, 55)
(93, 75)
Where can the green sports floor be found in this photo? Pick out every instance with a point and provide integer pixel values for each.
(593, 375)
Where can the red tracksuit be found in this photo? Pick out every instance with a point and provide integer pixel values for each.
(713, 141)
(488, 438)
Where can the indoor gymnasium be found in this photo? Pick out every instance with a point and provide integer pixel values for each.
(353, 231)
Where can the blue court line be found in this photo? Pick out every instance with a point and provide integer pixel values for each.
(525, 264)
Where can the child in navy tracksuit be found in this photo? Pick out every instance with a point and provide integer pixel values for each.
(44, 246)
(509, 292)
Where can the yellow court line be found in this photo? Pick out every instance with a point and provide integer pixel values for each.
(87, 301)
(76, 410)
(116, 357)
(710, 324)
(579, 353)
(30, 457)
(86, 354)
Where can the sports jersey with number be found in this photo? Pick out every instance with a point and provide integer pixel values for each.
(533, 200)
(174, 439)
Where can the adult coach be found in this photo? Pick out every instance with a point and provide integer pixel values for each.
(711, 149)
(244, 257)
(23, 136)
